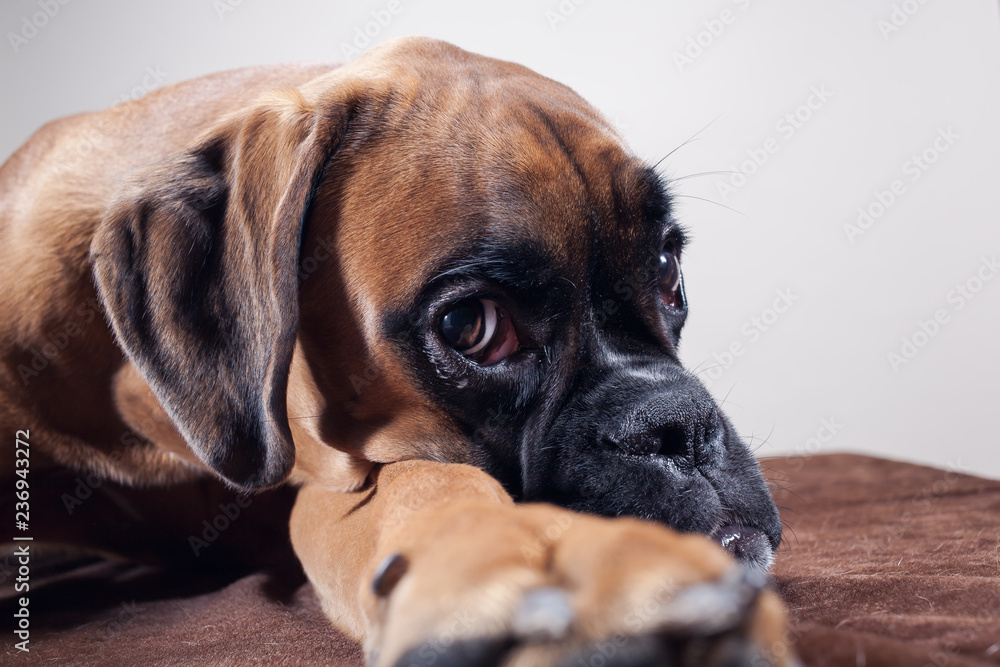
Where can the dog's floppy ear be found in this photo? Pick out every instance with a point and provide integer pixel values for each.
(196, 265)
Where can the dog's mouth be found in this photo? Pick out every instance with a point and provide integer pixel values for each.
(725, 499)
(749, 546)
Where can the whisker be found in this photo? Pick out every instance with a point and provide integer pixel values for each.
(712, 201)
(790, 492)
(776, 472)
(789, 528)
(724, 398)
(767, 438)
(693, 137)
(704, 361)
(705, 370)
(703, 173)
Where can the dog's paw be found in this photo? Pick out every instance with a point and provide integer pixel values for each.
(536, 585)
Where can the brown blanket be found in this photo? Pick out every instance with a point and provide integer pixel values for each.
(885, 563)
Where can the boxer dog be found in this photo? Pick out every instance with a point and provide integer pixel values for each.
(437, 293)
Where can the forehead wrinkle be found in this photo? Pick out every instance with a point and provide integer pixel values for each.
(542, 182)
(642, 208)
(595, 204)
(514, 178)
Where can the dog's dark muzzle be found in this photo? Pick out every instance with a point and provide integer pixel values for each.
(646, 439)
(678, 421)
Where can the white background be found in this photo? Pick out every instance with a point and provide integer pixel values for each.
(890, 92)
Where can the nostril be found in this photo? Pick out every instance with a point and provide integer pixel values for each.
(667, 440)
(674, 442)
(674, 426)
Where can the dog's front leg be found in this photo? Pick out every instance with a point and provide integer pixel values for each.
(341, 538)
(434, 564)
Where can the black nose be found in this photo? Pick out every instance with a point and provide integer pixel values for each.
(673, 424)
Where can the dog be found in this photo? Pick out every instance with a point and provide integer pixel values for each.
(435, 292)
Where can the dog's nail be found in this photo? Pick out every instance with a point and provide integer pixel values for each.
(711, 608)
(388, 574)
(545, 614)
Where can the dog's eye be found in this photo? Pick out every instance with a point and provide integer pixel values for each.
(469, 326)
(480, 329)
(670, 281)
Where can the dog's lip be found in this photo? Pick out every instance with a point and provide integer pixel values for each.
(748, 545)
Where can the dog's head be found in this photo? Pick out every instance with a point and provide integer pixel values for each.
(427, 253)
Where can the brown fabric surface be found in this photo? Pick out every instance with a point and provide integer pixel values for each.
(885, 563)
(110, 614)
(888, 563)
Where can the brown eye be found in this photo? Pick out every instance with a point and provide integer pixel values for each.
(481, 330)
(670, 282)
(470, 325)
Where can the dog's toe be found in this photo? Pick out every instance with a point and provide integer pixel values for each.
(713, 607)
(545, 614)
(614, 593)
(480, 652)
